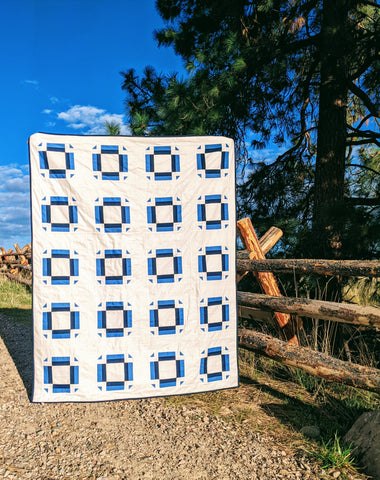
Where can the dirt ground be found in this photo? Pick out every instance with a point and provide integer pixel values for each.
(226, 435)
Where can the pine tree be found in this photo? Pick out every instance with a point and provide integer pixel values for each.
(273, 71)
(112, 128)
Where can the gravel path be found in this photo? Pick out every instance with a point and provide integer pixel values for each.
(140, 439)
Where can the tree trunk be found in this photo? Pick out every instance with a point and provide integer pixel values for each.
(331, 146)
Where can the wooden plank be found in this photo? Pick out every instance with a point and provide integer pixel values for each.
(336, 312)
(363, 268)
(315, 363)
(266, 280)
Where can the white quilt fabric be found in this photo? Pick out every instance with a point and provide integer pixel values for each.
(134, 282)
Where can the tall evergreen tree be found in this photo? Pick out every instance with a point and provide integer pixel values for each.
(269, 71)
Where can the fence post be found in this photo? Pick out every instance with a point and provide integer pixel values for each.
(266, 280)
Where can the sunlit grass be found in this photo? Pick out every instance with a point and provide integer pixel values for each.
(334, 455)
(16, 301)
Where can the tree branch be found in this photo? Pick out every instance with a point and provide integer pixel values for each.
(363, 120)
(364, 98)
(361, 133)
(369, 202)
(365, 168)
(363, 142)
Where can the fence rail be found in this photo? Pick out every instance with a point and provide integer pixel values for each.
(361, 268)
(333, 311)
(316, 363)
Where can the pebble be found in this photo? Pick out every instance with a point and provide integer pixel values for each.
(133, 440)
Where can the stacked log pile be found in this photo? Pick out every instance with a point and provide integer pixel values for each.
(15, 264)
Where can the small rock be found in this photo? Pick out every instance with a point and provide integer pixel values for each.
(365, 436)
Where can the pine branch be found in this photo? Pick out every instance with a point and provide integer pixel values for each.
(357, 165)
(367, 141)
(370, 3)
(365, 99)
(365, 66)
(362, 121)
(360, 133)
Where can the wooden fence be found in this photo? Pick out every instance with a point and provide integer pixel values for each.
(16, 264)
(273, 306)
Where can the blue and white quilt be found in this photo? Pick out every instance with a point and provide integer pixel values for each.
(134, 282)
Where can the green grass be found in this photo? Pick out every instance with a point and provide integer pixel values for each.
(335, 456)
(16, 301)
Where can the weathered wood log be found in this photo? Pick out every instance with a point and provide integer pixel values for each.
(19, 265)
(363, 268)
(266, 242)
(9, 258)
(336, 312)
(16, 254)
(6, 254)
(269, 239)
(316, 363)
(266, 280)
(27, 248)
(22, 257)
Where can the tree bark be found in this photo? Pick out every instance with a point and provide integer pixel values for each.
(364, 268)
(315, 363)
(332, 131)
(336, 312)
(269, 239)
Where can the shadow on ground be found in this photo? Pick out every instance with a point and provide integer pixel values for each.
(283, 400)
(294, 407)
(17, 337)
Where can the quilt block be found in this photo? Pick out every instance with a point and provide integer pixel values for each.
(134, 281)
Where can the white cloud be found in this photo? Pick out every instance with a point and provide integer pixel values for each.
(14, 205)
(18, 184)
(90, 119)
(54, 100)
(33, 83)
(47, 111)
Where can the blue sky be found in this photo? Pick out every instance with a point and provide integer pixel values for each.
(61, 61)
